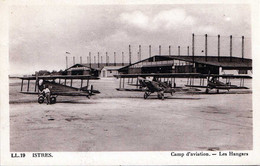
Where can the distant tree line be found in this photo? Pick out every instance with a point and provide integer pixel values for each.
(54, 72)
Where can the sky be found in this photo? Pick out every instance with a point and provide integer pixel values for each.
(40, 36)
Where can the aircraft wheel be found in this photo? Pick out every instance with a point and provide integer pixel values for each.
(217, 91)
(145, 95)
(53, 100)
(40, 99)
(207, 90)
(160, 96)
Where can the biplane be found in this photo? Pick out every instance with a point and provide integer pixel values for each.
(59, 85)
(161, 83)
(165, 82)
(213, 82)
(155, 86)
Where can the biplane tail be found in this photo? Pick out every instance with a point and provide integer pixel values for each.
(92, 91)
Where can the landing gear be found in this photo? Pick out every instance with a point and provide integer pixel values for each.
(207, 91)
(53, 100)
(217, 90)
(160, 95)
(146, 94)
(40, 99)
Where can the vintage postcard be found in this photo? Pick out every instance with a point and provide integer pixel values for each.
(129, 83)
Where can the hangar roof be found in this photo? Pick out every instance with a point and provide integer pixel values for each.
(223, 61)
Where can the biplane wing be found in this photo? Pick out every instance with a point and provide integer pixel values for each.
(161, 83)
(196, 86)
(51, 77)
(232, 76)
(131, 90)
(166, 76)
(162, 75)
(169, 79)
(218, 87)
(59, 85)
(214, 83)
(61, 93)
(181, 75)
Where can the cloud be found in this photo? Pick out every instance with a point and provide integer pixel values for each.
(203, 29)
(227, 18)
(172, 19)
(118, 36)
(136, 18)
(41, 35)
(164, 20)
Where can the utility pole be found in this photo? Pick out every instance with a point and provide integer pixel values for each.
(114, 58)
(66, 62)
(129, 54)
(243, 48)
(98, 59)
(150, 51)
(106, 59)
(230, 48)
(122, 58)
(218, 48)
(140, 54)
(90, 59)
(169, 50)
(193, 48)
(206, 47)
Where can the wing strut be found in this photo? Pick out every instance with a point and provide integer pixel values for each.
(81, 83)
(242, 82)
(36, 81)
(87, 82)
(35, 86)
(71, 83)
(137, 87)
(120, 83)
(22, 86)
(28, 85)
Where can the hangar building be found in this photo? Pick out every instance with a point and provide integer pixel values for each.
(190, 64)
(107, 69)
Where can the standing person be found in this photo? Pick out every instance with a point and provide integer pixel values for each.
(47, 93)
(41, 85)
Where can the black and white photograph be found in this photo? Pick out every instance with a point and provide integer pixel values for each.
(131, 77)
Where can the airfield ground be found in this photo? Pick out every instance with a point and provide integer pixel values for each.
(124, 121)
